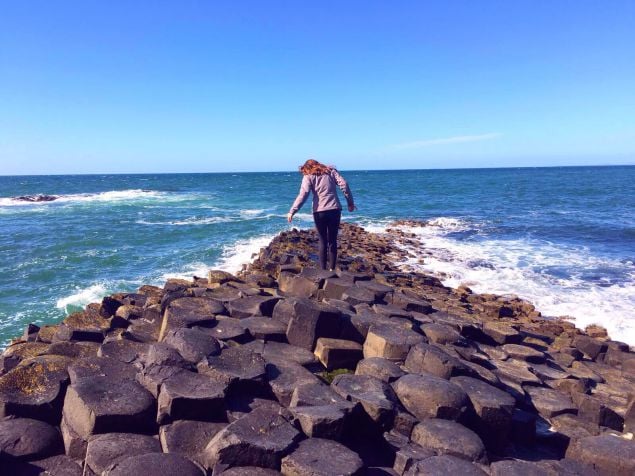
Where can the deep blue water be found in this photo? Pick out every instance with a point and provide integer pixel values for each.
(561, 237)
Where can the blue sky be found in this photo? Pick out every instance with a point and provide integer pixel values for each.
(200, 86)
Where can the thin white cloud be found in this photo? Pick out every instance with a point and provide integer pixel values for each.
(445, 140)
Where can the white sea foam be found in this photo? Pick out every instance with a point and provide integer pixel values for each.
(529, 269)
(110, 196)
(82, 297)
(188, 221)
(241, 252)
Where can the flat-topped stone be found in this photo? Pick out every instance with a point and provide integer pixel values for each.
(59, 465)
(309, 458)
(375, 396)
(309, 320)
(550, 403)
(427, 396)
(285, 377)
(265, 328)
(444, 465)
(97, 405)
(194, 345)
(252, 306)
(192, 311)
(523, 352)
(28, 439)
(188, 437)
(429, 359)
(390, 341)
(235, 366)
(156, 464)
(338, 353)
(326, 421)
(262, 437)
(608, 454)
(124, 350)
(381, 368)
(449, 437)
(93, 367)
(105, 451)
(35, 388)
(441, 334)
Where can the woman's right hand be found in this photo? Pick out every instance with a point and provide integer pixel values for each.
(352, 208)
(289, 217)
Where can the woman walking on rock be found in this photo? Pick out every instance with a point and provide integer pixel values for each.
(323, 181)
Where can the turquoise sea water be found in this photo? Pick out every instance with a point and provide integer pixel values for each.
(563, 238)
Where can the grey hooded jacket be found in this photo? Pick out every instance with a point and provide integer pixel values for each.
(324, 189)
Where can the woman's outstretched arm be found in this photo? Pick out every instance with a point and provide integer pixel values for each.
(343, 185)
(305, 188)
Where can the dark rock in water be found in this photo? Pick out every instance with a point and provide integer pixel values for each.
(35, 388)
(338, 353)
(262, 437)
(27, 439)
(443, 466)
(99, 405)
(156, 464)
(192, 344)
(390, 341)
(427, 396)
(36, 198)
(308, 320)
(235, 366)
(188, 437)
(381, 368)
(608, 454)
(191, 396)
(449, 437)
(317, 456)
(375, 396)
(105, 451)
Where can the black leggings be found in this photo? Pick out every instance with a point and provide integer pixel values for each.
(327, 224)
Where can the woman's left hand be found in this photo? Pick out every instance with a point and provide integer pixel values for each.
(289, 217)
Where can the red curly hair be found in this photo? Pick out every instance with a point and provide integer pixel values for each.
(313, 167)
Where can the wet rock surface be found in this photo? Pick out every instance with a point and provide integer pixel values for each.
(282, 368)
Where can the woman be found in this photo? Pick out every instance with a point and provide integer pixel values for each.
(322, 180)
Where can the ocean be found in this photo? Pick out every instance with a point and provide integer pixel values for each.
(563, 238)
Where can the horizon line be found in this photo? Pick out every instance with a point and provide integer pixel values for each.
(345, 170)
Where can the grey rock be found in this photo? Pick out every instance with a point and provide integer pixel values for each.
(338, 353)
(390, 341)
(608, 454)
(188, 437)
(309, 458)
(235, 366)
(309, 321)
(449, 437)
(192, 344)
(28, 439)
(105, 451)
(427, 396)
(252, 306)
(375, 396)
(383, 369)
(444, 465)
(156, 464)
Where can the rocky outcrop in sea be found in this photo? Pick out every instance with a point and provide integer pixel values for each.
(284, 368)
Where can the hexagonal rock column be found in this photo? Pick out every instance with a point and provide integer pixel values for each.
(191, 396)
(317, 456)
(192, 344)
(236, 367)
(309, 320)
(101, 405)
(550, 403)
(251, 471)
(390, 341)
(608, 454)
(260, 438)
(156, 464)
(192, 311)
(34, 389)
(27, 439)
(523, 352)
(338, 353)
(265, 328)
(427, 396)
(375, 396)
(383, 369)
(493, 410)
(188, 437)
(88, 368)
(449, 437)
(105, 451)
(444, 464)
(284, 377)
(429, 359)
(252, 306)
